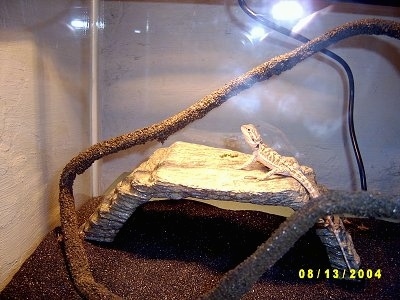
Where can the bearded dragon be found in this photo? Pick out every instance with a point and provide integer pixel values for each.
(287, 166)
(282, 165)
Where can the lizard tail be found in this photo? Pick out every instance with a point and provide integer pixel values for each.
(311, 188)
(314, 193)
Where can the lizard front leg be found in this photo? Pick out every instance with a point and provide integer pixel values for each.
(250, 161)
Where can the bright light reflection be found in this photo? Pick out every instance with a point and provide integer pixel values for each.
(256, 34)
(79, 24)
(100, 24)
(287, 10)
(302, 23)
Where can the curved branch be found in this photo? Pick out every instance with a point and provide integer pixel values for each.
(239, 280)
(75, 253)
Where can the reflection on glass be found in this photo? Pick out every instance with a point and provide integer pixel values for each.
(287, 10)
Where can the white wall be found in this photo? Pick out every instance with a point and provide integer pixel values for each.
(43, 120)
(159, 58)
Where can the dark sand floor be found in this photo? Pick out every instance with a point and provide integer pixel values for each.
(180, 249)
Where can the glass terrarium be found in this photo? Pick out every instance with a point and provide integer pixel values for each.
(201, 131)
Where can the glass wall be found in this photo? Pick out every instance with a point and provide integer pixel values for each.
(159, 57)
(45, 118)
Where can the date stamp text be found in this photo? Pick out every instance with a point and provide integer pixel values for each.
(340, 274)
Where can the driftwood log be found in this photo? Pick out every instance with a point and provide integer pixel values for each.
(186, 170)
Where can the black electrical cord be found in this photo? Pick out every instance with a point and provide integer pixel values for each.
(260, 19)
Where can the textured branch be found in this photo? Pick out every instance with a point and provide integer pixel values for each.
(75, 252)
(238, 281)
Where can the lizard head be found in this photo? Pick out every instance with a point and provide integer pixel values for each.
(251, 135)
